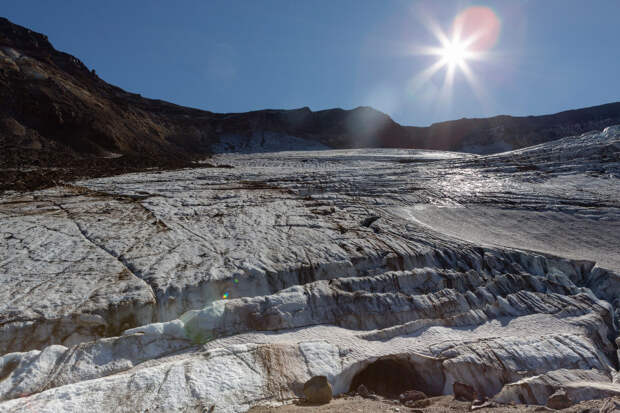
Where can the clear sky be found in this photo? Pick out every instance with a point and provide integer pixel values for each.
(235, 56)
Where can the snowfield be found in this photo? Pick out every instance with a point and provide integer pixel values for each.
(217, 289)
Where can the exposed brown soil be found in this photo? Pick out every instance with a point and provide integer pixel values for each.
(33, 178)
(357, 404)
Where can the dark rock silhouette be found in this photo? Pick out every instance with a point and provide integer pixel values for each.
(54, 111)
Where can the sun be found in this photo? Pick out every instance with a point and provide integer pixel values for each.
(474, 32)
(454, 53)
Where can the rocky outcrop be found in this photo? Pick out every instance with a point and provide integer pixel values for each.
(54, 109)
(463, 392)
(559, 400)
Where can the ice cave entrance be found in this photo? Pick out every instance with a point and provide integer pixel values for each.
(389, 377)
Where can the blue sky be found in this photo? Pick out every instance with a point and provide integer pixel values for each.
(235, 56)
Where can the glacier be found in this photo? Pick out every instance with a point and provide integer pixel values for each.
(219, 289)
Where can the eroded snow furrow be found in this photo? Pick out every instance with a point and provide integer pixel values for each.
(446, 298)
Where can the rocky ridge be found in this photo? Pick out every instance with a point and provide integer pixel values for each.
(57, 114)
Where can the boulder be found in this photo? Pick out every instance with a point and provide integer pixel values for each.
(412, 395)
(318, 390)
(363, 391)
(367, 222)
(463, 392)
(559, 400)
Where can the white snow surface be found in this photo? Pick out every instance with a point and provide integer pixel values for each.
(217, 289)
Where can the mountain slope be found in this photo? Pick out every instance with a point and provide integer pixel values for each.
(50, 100)
(53, 109)
(488, 135)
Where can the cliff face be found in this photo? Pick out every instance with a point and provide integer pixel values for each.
(54, 109)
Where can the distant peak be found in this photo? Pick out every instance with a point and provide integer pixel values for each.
(369, 108)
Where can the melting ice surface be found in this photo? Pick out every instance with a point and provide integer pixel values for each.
(220, 288)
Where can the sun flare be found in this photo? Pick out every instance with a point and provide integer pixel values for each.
(455, 53)
(473, 33)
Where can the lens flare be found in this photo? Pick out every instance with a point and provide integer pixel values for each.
(479, 25)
